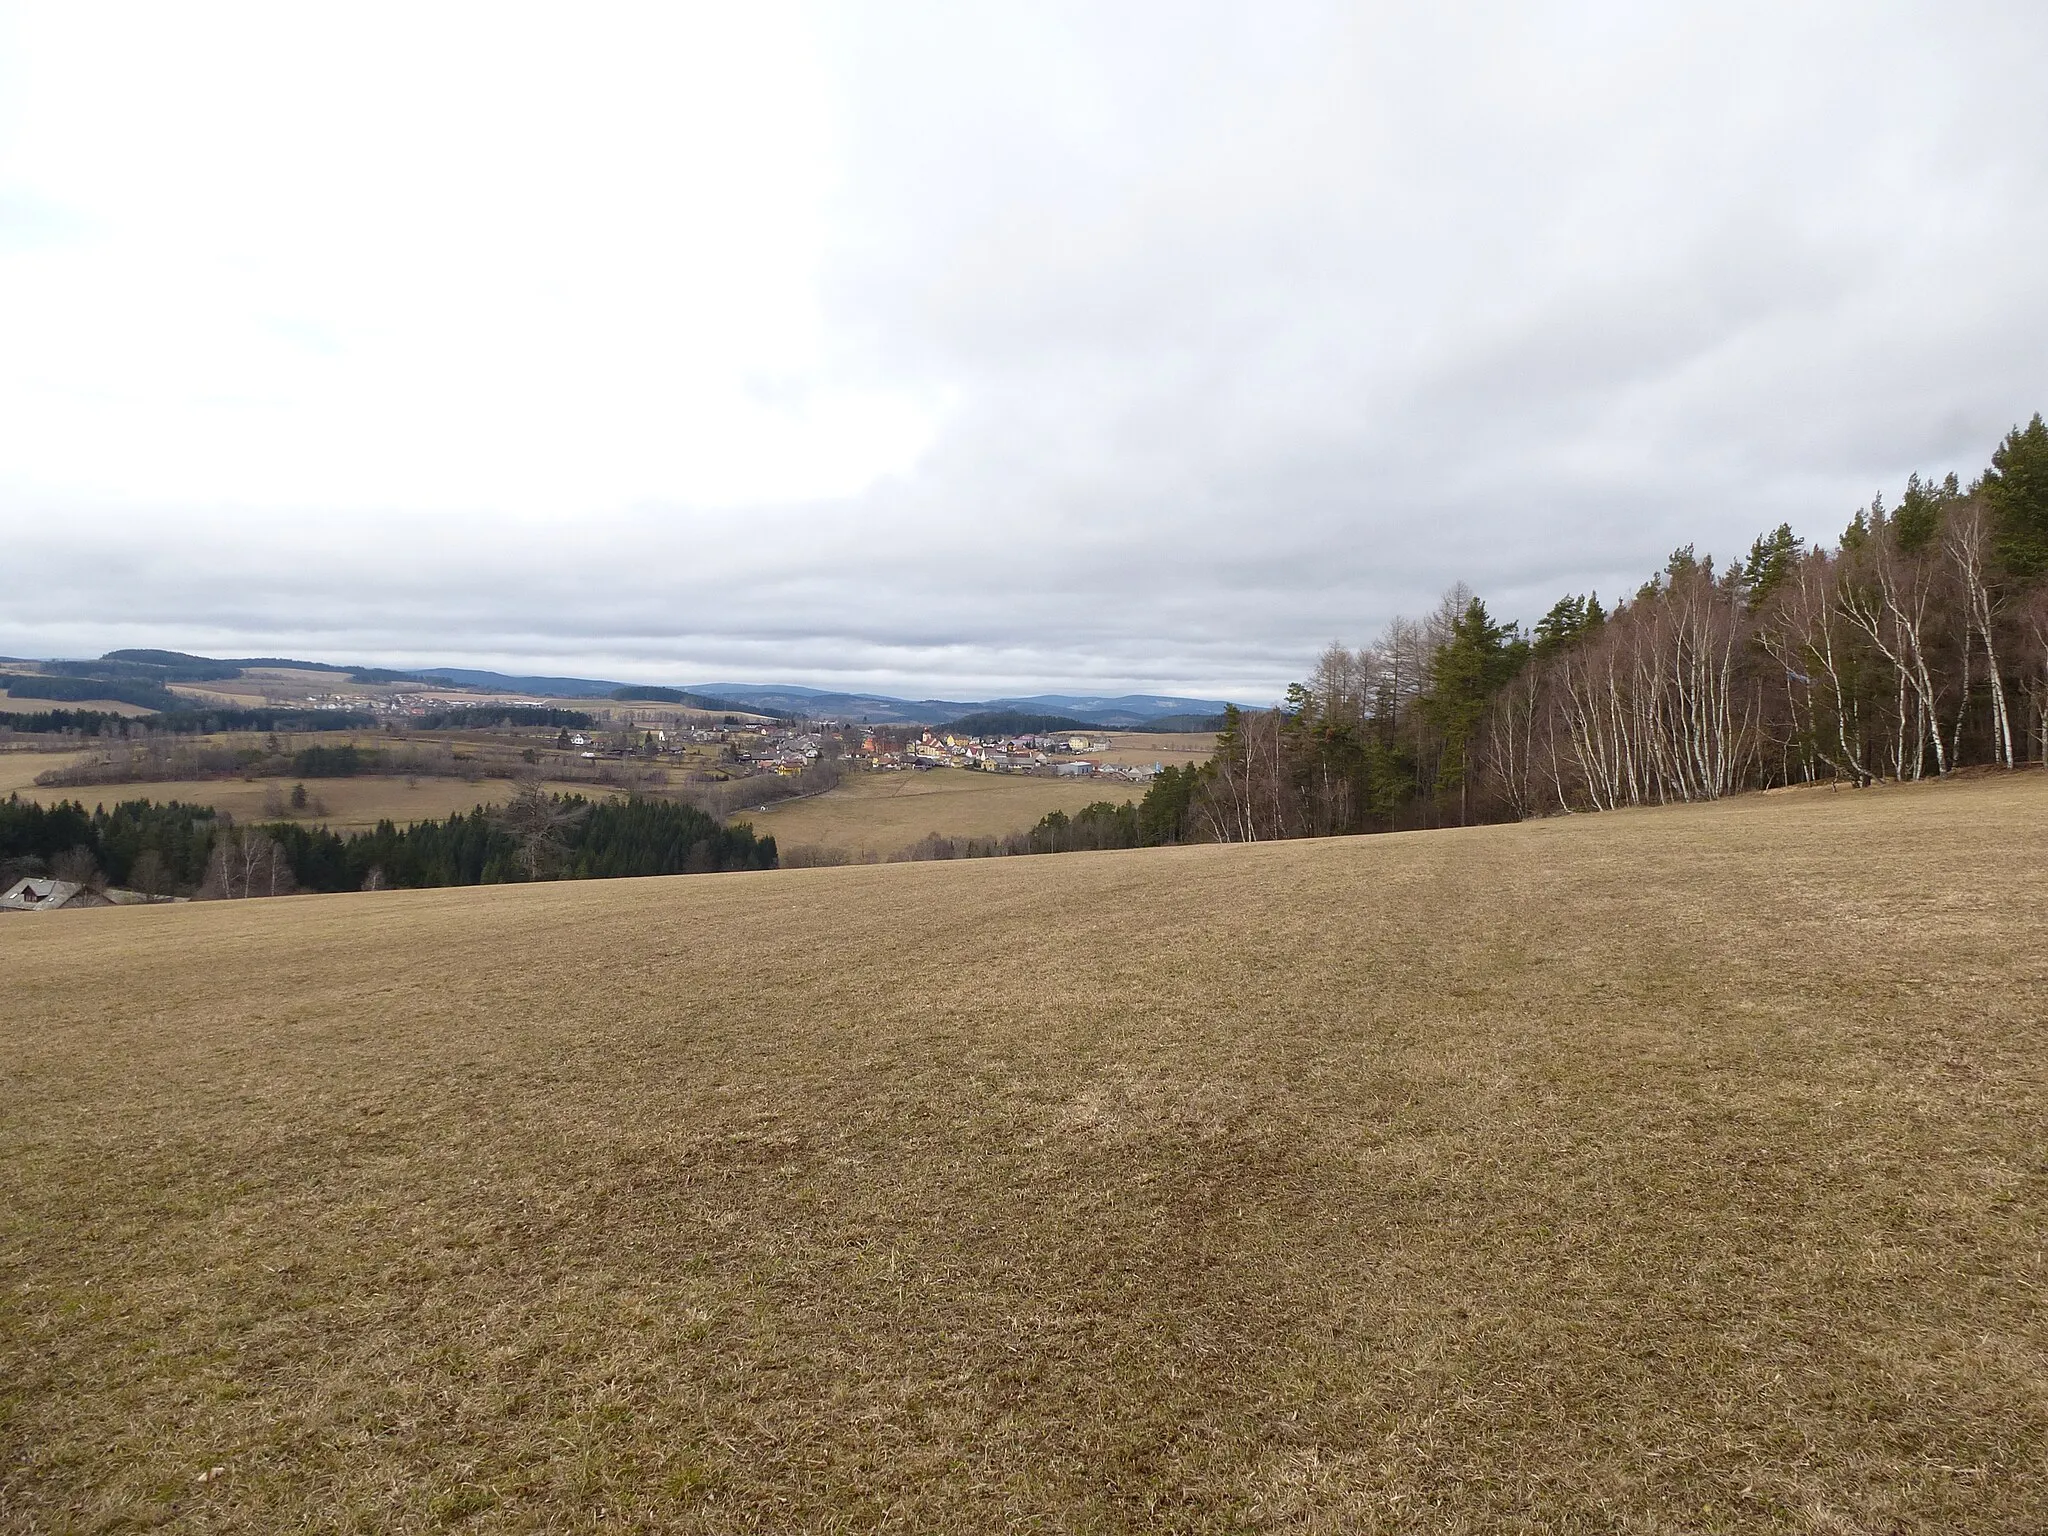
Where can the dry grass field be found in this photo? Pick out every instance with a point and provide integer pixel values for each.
(18, 769)
(1170, 749)
(881, 813)
(262, 687)
(1672, 1171)
(352, 804)
(36, 706)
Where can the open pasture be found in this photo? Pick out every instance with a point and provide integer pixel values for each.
(19, 769)
(1671, 1171)
(881, 813)
(1170, 749)
(27, 706)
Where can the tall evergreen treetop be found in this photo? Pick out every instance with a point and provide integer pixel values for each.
(1569, 619)
(1469, 668)
(2016, 486)
(1918, 518)
(1771, 559)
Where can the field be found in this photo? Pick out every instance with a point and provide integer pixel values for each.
(1672, 1171)
(1170, 749)
(18, 770)
(352, 804)
(10, 704)
(261, 687)
(880, 813)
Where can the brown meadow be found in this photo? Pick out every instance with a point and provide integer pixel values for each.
(1658, 1171)
(883, 813)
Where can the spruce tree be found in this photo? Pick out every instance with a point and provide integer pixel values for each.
(2016, 486)
(1771, 559)
(1468, 669)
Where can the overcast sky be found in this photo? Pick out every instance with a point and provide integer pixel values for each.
(968, 349)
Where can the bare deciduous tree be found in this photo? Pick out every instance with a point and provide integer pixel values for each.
(536, 820)
(148, 874)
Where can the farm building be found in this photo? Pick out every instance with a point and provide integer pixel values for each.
(39, 895)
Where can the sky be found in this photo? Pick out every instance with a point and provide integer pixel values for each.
(967, 350)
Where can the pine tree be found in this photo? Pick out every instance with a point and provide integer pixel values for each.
(1918, 518)
(2016, 486)
(1467, 671)
(1771, 559)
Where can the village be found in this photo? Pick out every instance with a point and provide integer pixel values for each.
(1058, 754)
(790, 750)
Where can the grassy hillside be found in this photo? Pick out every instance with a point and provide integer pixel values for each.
(25, 705)
(881, 813)
(18, 770)
(1662, 1171)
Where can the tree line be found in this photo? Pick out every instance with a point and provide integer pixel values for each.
(478, 717)
(536, 837)
(72, 690)
(177, 849)
(189, 722)
(1914, 645)
(159, 850)
(211, 721)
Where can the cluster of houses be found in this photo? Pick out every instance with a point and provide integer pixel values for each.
(1050, 755)
(783, 752)
(401, 704)
(750, 751)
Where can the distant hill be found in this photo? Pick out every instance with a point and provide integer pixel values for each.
(1126, 711)
(386, 675)
(140, 668)
(1014, 722)
(861, 708)
(552, 687)
(287, 664)
(79, 690)
(1133, 711)
(176, 666)
(644, 693)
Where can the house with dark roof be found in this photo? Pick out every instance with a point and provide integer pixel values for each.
(37, 894)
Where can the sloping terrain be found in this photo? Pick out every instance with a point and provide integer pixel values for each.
(1666, 1171)
(879, 814)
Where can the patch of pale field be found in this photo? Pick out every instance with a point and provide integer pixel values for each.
(18, 769)
(303, 679)
(1169, 749)
(272, 688)
(352, 804)
(881, 813)
(239, 693)
(1671, 1171)
(14, 705)
(285, 687)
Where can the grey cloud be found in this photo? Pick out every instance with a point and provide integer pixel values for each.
(1260, 325)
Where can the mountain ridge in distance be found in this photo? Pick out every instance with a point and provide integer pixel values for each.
(1117, 712)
